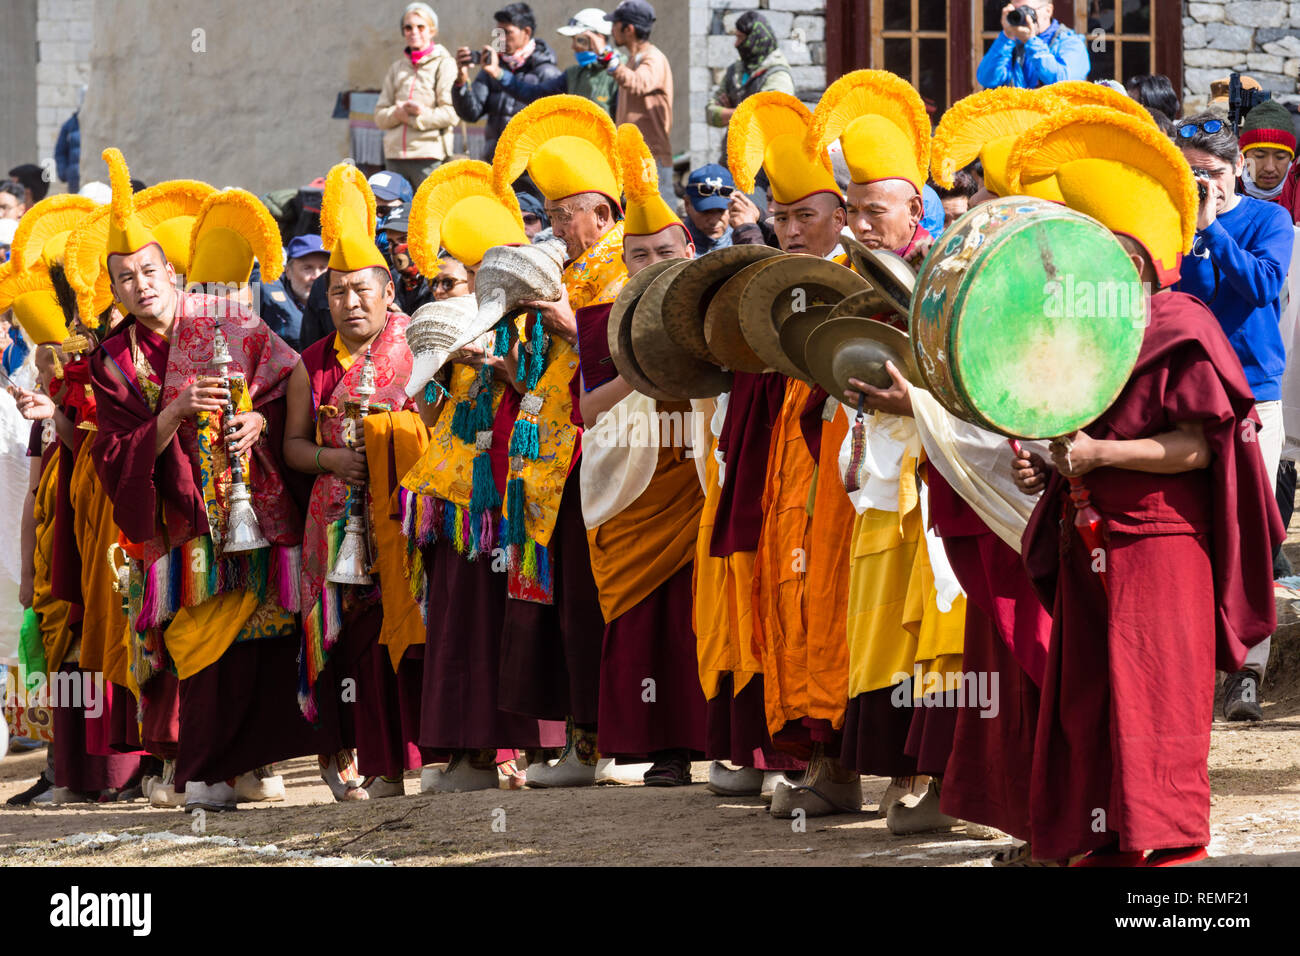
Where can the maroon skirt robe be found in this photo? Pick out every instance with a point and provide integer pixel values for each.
(1123, 729)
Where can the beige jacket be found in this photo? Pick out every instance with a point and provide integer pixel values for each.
(429, 135)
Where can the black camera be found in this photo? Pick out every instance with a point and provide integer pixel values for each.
(1242, 101)
(476, 57)
(1022, 16)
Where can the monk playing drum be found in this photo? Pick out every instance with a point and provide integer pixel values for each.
(1182, 580)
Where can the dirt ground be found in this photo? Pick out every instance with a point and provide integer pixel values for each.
(1255, 816)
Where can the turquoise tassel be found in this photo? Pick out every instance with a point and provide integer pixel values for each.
(432, 391)
(460, 424)
(513, 530)
(484, 496)
(479, 417)
(524, 440)
(502, 344)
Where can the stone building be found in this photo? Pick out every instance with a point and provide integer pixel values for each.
(243, 91)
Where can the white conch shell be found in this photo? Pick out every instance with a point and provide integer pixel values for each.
(510, 275)
(437, 330)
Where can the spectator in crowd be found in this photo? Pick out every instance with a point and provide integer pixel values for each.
(1035, 52)
(589, 33)
(529, 60)
(761, 67)
(451, 280)
(392, 192)
(957, 199)
(1267, 144)
(67, 148)
(415, 105)
(283, 301)
(534, 211)
(645, 81)
(32, 178)
(708, 197)
(1237, 266)
(411, 289)
(1155, 92)
(13, 200)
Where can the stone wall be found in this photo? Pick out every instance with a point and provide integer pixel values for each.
(1259, 37)
(248, 100)
(63, 40)
(801, 25)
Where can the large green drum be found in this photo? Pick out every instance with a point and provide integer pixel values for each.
(1027, 318)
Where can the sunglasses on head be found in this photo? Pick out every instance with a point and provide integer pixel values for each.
(712, 187)
(1188, 130)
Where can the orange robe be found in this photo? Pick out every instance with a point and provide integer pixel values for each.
(800, 584)
(104, 638)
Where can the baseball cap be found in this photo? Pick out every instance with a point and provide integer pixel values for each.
(304, 245)
(636, 13)
(399, 220)
(390, 186)
(591, 18)
(709, 186)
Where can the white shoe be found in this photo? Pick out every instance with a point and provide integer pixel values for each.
(209, 796)
(568, 771)
(58, 797)
(776, 778)
(922, 816)
(380, 787)
(163, 792)
(726, 782)
(146, 784)
(900, 787)
(260, 785)
(817, 800)
(458, 777)
(628, 774)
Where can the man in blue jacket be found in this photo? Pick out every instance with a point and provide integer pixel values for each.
(1034, 52)
(1237, 267)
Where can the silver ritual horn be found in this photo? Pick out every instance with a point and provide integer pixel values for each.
(352, 565)
(242, 533)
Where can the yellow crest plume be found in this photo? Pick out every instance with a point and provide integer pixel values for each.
(640, 175)
(346, 194)
(52, 217)
(870, 91)
(756, 122)
(441, 190)
(240, 212)
(544, 120)
(974, 120)
(119, 178)
(1084, 93)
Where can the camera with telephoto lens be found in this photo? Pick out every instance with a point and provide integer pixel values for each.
(1022, 16)
(1241, 101)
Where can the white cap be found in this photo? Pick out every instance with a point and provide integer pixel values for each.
(592, 18)
(99, 192)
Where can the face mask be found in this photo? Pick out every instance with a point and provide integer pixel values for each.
(381, 237)
(585, 57)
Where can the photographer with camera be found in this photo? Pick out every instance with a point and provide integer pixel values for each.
(589, 34)
(1237, 266)
(1033, 50)
(528, 59)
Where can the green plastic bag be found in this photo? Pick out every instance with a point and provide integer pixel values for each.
(31, 649)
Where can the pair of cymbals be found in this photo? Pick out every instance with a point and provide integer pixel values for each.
(656, 334)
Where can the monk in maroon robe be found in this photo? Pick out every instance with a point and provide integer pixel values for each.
(1174, 469)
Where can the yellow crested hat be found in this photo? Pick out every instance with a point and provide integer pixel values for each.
(1122, 171)
(647, 213)
(42, 233)
(347, 221)
(459, 208)
(30, 293)
(567, 144)
(162, 214)
(83, 264)
(231, 230)
(882, 126)
(984, 125)
(1084, 93)
(767, 131)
